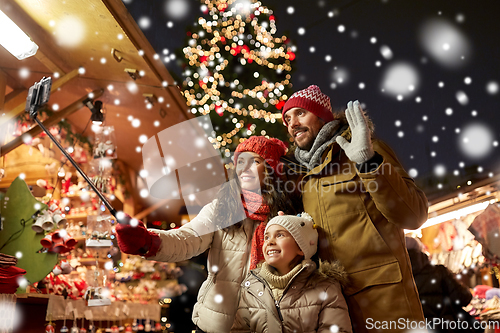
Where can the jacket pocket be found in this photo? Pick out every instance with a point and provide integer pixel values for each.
(379, 275)
(205, 288)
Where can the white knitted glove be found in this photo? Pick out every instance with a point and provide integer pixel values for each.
(360, 149)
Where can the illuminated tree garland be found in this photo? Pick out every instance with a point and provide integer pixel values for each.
(236, 67)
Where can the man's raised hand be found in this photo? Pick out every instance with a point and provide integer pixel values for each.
(360, 149)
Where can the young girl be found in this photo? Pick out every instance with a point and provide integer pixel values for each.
(287, 293)
(234, 249)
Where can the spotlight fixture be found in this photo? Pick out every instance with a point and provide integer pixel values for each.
(96, 109)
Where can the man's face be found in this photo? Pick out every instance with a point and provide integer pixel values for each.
(303, 126)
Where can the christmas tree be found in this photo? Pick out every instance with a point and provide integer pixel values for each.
(237, 71)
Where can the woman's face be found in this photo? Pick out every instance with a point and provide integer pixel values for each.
(250, 169)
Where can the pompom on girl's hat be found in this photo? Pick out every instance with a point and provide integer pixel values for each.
(302, 229)
(269, 149)
(312, 100)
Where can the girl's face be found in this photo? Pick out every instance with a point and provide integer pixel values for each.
(280, 249)
(250, 169)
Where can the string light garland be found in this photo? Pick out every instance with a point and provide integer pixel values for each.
(237, 71)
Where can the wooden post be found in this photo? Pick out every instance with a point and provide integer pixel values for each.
(3, 89)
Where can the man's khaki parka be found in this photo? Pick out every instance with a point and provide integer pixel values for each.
(362, 217)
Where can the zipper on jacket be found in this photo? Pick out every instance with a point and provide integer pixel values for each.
(279, 310)
(277, 302)
(280, 317)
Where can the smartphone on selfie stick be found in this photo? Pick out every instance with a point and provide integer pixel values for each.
(38, 95)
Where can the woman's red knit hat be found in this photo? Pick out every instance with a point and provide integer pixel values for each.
(269, 149)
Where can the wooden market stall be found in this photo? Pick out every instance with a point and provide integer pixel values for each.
(95, 52)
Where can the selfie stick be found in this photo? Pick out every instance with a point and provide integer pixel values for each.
(38, 95)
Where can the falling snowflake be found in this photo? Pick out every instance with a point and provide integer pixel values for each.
(70, 32)
(439, 170)
(413, 173)
(400, 79)
(218, 298)
(444, 42)
(386, 52)
(462, 98)
(476, 141)
(492, 87)
(177, 9)
(144, 22)
(340, 75)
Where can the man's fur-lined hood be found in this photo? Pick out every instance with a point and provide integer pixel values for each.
(343, 121)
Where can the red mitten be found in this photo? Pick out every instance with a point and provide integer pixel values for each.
(136, 239)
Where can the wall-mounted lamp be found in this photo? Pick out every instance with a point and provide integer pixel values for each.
(14, 40)
(133, 73)
(97, 116)
(150, 99)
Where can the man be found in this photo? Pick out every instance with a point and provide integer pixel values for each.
(358, 193)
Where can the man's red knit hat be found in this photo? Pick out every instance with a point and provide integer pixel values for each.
(311, 99)
(269, 149)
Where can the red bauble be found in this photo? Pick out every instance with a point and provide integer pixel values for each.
(280, 105)
(271, 18)
(49, 328)
(222, 7)
(219, 110)
(291, 55)
(203, 58)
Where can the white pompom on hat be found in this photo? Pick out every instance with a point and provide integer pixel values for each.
(302, 229)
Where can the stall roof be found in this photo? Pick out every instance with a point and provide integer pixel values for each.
(102, 38)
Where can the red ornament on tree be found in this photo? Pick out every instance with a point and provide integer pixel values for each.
(271, 18)
(280, 105)
(49, 328)
(222, 7)
(203, 58)
(219, 110)
(291, 55)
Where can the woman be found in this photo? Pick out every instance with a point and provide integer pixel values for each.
(235, 248)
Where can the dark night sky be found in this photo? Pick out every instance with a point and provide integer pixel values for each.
(395, 24)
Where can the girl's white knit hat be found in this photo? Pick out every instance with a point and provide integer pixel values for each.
(302, 229)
